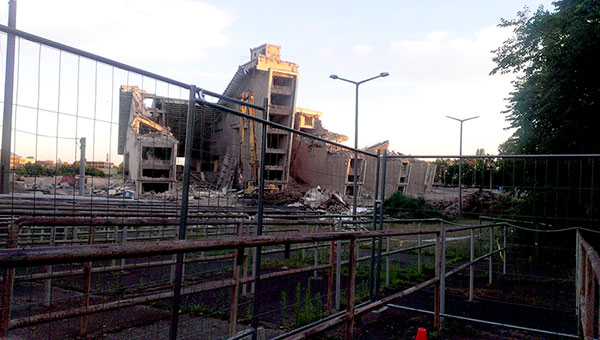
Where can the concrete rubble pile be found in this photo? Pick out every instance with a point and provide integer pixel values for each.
(447, 206)
(317, 198)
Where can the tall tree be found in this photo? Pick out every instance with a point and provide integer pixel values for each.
(555, 105)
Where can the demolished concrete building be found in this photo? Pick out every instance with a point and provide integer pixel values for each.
(226, 147)
(148, 147)
(264, 76)
(330, 167)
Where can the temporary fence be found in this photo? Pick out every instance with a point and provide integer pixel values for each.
(206, 235)
(546, 189)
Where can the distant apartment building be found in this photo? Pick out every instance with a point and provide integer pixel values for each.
(15, 160)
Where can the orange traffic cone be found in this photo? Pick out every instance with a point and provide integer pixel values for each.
(421, 334)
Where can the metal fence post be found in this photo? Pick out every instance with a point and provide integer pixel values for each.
(8, 100)
(75, 235)
(245, 264)
(123, 241)
(259, 222)
(378, 277)
(189, 134)
(286, 251)
(48, 287)
(472, 266)
(338, 267)
(590, 298)
(577, 271)
(8, 282)
(582, 289)
(330, 276)
(7, 295)
(443, 271)
(480, 237)
(505, 251)
(490, 254)
(419, 251)
(375, 202)
(350, 292)
(436, 287)
(173, 257)
(82, 167)
(316, 259)
(238, 259)
(87, 282)
(387, 256)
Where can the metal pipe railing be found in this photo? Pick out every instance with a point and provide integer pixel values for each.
(497, 156)
(85, 54)
(588, 276)
(11, 258)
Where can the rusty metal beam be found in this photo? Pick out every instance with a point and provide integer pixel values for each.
(54, 255)
(353, 253)
(198, 288)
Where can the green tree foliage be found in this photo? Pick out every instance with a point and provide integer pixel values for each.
(555, 104)
(38, 170)
(402, 206)
(34, 170)
(475, 172)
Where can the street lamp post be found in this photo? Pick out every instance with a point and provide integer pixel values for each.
(356, 83)
(460, 161)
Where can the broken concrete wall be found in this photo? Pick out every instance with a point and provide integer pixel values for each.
(264, 76)
(315, 164)
(391, 181)
(235, 153)
(150, 150)
(416, 179)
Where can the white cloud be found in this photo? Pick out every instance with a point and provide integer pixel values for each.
(325, 53)
(448, 74)
(175, 30)
(362, 49)
(441, 56)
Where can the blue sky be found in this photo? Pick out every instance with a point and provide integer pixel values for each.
(437, 54)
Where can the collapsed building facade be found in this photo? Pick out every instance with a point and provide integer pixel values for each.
(264, 76)
(335, 166)
(226, 147)
(148, 147)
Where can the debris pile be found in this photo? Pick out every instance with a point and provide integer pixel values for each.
(111, 189)
(447, 206)
(317, 198)
(483, 202)
(288, 198)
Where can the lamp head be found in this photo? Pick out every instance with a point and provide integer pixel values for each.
(384, 74)
(333, 76)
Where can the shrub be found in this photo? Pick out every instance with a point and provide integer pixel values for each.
(401, 206)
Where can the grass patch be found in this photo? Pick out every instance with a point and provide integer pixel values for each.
(401, 206)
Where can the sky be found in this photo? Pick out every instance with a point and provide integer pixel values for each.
(437, 53)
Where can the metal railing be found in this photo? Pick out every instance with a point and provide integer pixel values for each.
(588, 276)
(32, 257)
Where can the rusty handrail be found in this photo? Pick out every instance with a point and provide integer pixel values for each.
(29, 257)
(588, 275)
